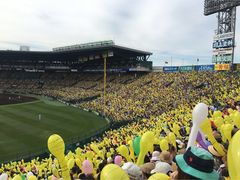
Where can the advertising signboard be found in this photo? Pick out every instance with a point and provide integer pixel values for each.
(227, 58)
(186, 68)
(222, 67)
(170, 69)
(139, 69)
(223, 45)
(222, 51)
(157, 69)
(223, 36)
(204, 68)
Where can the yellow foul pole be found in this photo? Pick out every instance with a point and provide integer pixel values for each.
(104, 85)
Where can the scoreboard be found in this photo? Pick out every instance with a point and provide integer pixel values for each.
(213, 6)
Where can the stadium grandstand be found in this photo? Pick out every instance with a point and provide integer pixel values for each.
(77, 58)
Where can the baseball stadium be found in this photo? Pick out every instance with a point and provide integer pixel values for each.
(101, 110)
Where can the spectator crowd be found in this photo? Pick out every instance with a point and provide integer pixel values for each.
(155, 146)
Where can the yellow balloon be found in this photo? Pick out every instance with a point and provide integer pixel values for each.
(224, 139)
(233, 157)
(218, 121)
(113, 172)
(172, 138)
(146, 144)
(55, 172)
(90, 154)
(159, 176)
(130, 143)
(32, 178)
(109, 154)
(94, 147)
(227, 119)
(236, 119)
(101, 154)
(123, 150)
(176, 129)
(230, 110)
(147, 140)
(78, 151)
(164, 145)
(156, 140)
(188, 130)
(207, 130)
(112, 150)
(56, 146)
(70, 163)
(17, 177)
(97, 162)
(78, 162)
(217, 114)
(227, 131)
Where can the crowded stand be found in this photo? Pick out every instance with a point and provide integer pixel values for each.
(172, 137)
(156, 93)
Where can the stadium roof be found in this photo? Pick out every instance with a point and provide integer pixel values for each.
(72, 55)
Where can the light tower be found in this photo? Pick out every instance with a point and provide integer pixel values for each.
(224, 39)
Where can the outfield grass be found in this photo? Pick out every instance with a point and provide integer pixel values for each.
(21, 130)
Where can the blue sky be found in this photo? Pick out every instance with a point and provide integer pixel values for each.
(168, 28)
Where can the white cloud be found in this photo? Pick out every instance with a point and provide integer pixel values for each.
(168, 28)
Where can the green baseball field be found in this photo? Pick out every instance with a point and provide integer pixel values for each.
(26, 126)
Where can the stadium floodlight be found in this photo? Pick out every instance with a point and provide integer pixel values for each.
(214, 6)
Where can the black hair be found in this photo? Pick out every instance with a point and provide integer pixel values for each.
(156, 147)
(235, 129)
(183, 175)
(146, 159)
